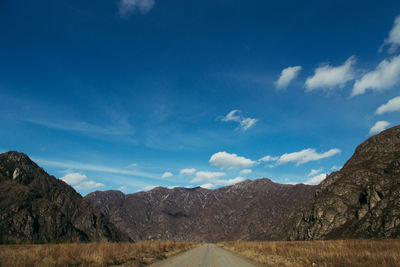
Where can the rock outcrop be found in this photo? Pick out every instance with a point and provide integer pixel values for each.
(251, 210)
(37, 207)
(362, 200)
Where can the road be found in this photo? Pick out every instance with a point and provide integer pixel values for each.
(209, 255)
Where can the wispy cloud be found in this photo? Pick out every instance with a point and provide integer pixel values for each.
(236, 116)
(127, 7)
(90, 167)
(392, 105)
(287, 76)
(329, 77)
(230, 161)
(121, 128)
(300, 157)
(384, 77)
(394, 37)
(167, 175)
(316, 179)
(187, 172)
(314, 172)
(378, 127)
(207, 176)
(245, 171)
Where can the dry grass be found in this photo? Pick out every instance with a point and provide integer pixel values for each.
(90, 254)
(320, 253)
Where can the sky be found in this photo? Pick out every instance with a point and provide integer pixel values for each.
(132, 94)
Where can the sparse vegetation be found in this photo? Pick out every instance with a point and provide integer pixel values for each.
(320, 253)
(91, 254)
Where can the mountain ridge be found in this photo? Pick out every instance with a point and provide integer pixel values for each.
(37, 207)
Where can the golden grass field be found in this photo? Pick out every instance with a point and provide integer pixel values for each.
(90, 254)
(320, 253)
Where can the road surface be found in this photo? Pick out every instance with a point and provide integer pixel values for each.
(209, 255)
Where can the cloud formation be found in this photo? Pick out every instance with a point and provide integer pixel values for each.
(306, 155)
(127, 7)
(207, 176)
(245, 171)
(269, 158)
(316, 179)
(287, 76)
(187, 172)
(167, 175)
(244, 123)
(329, 77)
(394, 37)
(222, 182)
(384, 77)
(392, 105)
(314, 172)
(230, 161)
(79, 181)
(378, 127)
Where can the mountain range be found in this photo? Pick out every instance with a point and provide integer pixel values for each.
(362, 200)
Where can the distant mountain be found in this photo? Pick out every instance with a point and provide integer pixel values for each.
(37, 207)
(362, 200)
(251, 210)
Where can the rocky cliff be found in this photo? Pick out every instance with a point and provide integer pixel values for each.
(361, 200)
(251, 210)
(37, 207)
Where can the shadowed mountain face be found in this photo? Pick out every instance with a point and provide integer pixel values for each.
(360, 200)
(36, 207)
(251, 210)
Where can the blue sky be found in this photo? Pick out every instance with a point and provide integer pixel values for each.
(130, 94)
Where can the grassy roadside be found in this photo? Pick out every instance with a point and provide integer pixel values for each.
(320, 253)
(91, 254)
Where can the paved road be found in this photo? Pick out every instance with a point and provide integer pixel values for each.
(208, 255)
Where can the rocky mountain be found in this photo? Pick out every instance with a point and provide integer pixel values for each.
(361, 200)
(251, 210)
(37, 207)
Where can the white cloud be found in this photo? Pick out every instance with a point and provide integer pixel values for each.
(269, 158)
(74, 178)
(287, 76)
(167, 175)
(149, 187)
(306, 155)
(244, 123)
(335, 168)
(392, 105)
(329, 77)
(122, 188)
(245, 171)
(230, 181)
(173, 186)
(379, 127)
(384, 77)
(207, 176)
(79, 181)
(314, 172)
(187, 172)
(85, 185)
(230, 161)
(207, 186)
(317, 179)
(126, 7)
(247, 123)
(394, 37)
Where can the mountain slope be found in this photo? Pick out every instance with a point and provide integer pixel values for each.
(361, 200)
(36, 207)
(251, 210)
